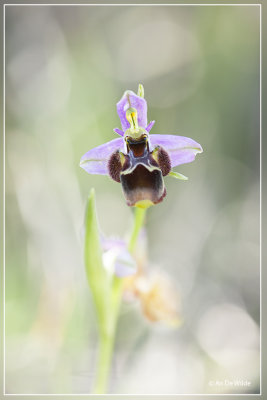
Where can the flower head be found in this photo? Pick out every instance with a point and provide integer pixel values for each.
(138, 160)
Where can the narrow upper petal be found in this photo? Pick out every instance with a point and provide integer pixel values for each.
(95, 161)
(181, 149)
(118, 131)
(150, 126)
(130, 99)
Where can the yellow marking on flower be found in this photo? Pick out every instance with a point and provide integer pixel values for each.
(131, 115)
(144, 204)
(134, 131)
(155, 154)
(122, 158)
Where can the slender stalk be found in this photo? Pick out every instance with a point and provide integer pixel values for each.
(107, 336)
(108, 327)
(106, 343)
(138, 223)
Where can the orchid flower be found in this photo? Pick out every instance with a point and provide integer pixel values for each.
(138, 160)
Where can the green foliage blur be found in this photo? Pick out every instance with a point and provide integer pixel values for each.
(66, 68)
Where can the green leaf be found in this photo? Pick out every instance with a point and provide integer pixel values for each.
(176, 175)
(106, 292)
(96, 274)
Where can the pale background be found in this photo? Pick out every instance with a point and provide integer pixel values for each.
(66, 67)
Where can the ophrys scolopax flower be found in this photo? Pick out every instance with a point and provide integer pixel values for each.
(138, 160)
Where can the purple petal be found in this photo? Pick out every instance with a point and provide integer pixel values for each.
(116, 257)
(130, 99)
(95, 161)
(150, 126)
(112, 242)
(118, 131)
(125, 265)
(180, 149)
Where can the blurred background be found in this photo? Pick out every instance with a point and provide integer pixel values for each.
(66, 68)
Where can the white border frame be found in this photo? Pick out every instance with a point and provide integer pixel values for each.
(4, 94)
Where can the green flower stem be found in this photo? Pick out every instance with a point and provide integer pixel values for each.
(104, 359)
(108, 324)
(138, 223)
(107, 337)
